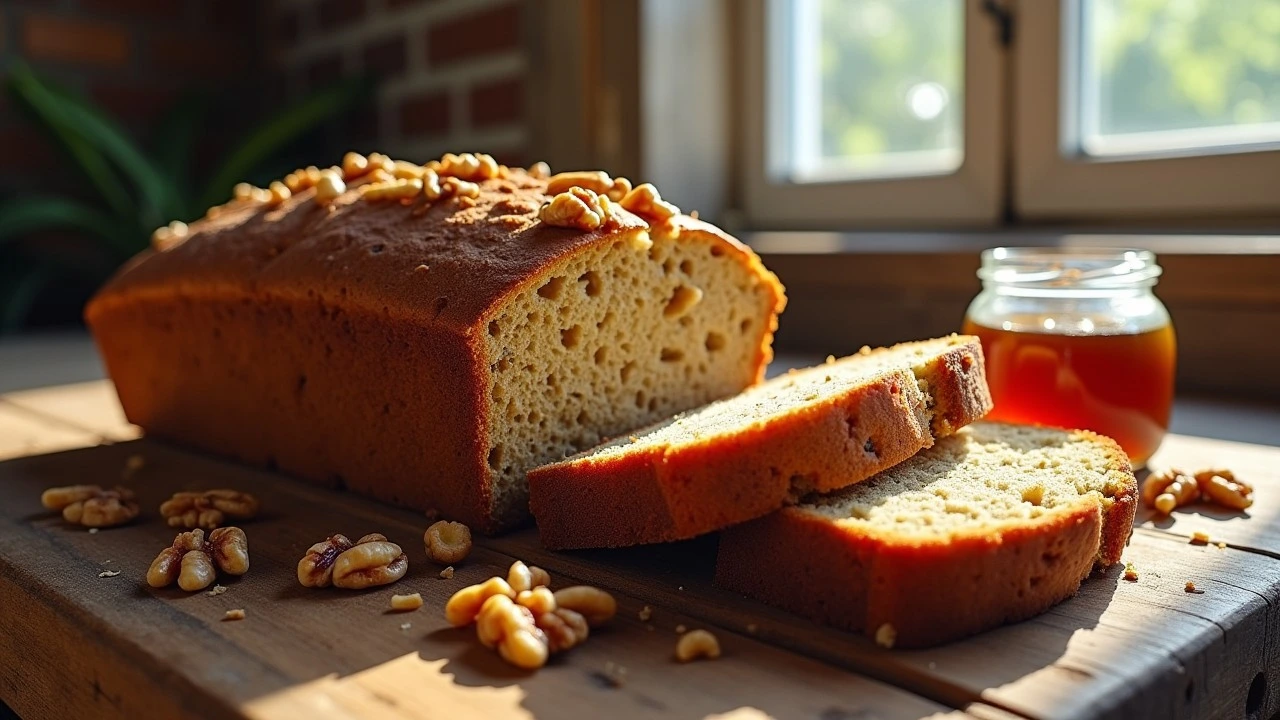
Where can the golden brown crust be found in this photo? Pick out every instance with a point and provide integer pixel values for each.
(933, 589)
(660, 494)
(342, 342)
(931, 592)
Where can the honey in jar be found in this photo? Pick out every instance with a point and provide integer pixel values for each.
(1077, 339)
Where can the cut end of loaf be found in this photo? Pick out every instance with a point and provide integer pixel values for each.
(617, 337)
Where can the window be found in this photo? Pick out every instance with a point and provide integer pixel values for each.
(887, 111)
(881, 113)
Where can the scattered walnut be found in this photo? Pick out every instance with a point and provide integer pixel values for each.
(563, 627)
(380, 163)
(208, 509)
(540, 600)
(91, 506)
(194, 561)
(405, 189)
(372, 561)
(597, 181)
(645, 613)
(511, 628)
(523, 577)
(354, 165)
(1130, 572)
(540, 170)
(447, 573)
(1170, 489)
(596, 605)
(236, 614)
(316, 567)
(681, 629)
(468, 166)
(170, 235)
(242, 191)
(1191, 588)
(697, 644)
(644, 200)
(886, 636)
(217, 590)
(621, 186)
(577, 208)
(459, 188)
(329, 186)
(465, 604)
(431, 184)
(1199, 538)
(412, 601)
(108, 573)
(1222, 487)
(447, 542)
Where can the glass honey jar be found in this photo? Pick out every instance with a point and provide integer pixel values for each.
(1076, 338)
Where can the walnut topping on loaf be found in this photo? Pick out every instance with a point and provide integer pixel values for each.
(417, 332)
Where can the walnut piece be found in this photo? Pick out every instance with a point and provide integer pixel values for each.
(597, 181)
(91, 506)
(1222, 488)
(697, 644)
(563, 627)
(596, 605)
(464, 605)
(208, 509)
(447, 542)
(511, 628)
(316, 567)
(645, 201)
(1170, 489)
(402, 603)
(523, 577)
(468, 166)
(373, 561)
(194, 562)
(577, 208)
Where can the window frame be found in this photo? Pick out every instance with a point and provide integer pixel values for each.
(1050, 184)
(972, 195)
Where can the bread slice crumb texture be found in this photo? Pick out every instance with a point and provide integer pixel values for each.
(986, 476)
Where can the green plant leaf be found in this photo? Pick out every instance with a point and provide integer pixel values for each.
(283, 128)
(22, 216)
(71, 115)
(173, 141)
(91, 163)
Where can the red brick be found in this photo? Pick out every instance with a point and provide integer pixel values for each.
(482, 33)
(497, 102)
(333, 14)
(88, 42)
(201, 53)
(387, 57)
(131, 103)
(426, 114)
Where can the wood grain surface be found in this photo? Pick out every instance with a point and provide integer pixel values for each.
(79, 645)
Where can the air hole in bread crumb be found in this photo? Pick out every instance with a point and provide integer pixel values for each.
(626, 371)
(668, 265)
(1033, 495)
(601, 354)
(569, 337)
(494, 329)
(717, 251)
(375, 249)
(641, 398)
(869, 446)
(715, 341)
(672, 355)
(686, 267)
(594, 285)
(683, 299)
(745, 325)
(583, 417)
(551, 290)
(686, 321)
(495, 457)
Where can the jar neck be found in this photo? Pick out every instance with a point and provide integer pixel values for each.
(1068, 273)
(1067, 293)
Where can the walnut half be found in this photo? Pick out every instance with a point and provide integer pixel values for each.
(91, 506)
(208, 509)
(373, 561)
(194, 561)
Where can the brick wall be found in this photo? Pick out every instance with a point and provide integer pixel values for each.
(132, 57)
(451, 73)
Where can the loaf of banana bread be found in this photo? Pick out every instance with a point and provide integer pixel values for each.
(424, 334)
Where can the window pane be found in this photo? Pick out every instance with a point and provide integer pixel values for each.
(1177, 75)
(872, 88)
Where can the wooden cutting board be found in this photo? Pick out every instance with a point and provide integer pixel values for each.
(77, 642)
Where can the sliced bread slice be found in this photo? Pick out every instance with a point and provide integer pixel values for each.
(813, 430)
(992, 525)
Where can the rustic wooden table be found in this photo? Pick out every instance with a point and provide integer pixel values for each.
(76, 643)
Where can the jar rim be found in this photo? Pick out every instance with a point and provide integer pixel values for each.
(1066, 268)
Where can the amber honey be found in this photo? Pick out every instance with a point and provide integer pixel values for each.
(1119, 385)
